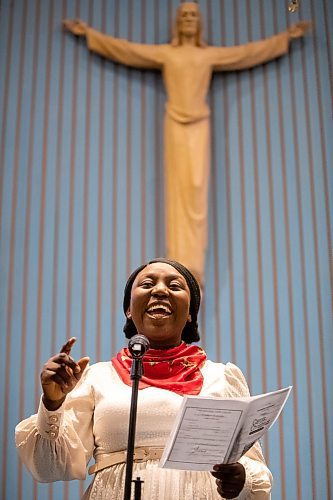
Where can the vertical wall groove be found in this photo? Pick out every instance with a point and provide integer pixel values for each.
(114, 193)
(28, 216)
(323, 145)
(143, 158)
(72, 181)
(5, 107)
(275, 299)
(328, 44)
(287, 252)
(129, 151)
(12, 253)
(157, 151)
(56, 232)
(72, 165)
(286, 218)
(86, 199)
(42, 218)
(261, 295)
(214, 195)
(227, 161)
(243, 211)
(100, 221)
(303, 274)
(316, 259)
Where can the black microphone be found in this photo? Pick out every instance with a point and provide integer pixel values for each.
(138, 345)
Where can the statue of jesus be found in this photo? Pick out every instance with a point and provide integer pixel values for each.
(187, 64)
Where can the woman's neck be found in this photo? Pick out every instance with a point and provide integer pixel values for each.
(164, 347)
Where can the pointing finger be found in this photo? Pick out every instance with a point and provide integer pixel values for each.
(67, 347)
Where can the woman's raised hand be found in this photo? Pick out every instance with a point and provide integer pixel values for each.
(60, 375)
(76, 26)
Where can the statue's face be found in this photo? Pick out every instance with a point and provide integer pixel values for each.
(188, 20)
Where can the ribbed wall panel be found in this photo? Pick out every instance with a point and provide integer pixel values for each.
(81, 186)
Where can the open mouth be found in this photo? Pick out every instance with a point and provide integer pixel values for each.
(158, 311)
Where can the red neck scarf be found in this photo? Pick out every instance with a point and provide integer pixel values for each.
(176, 369)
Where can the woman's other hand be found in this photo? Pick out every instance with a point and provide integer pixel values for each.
(60, 375)
(230, 479)
(76, 26)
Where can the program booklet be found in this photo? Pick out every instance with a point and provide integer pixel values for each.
(210, 431)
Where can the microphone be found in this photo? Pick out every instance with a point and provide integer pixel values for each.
(138, 345)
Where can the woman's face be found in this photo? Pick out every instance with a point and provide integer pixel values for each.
(160, 304)
(188, 19)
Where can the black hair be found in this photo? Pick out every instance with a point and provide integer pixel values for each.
(190, 332)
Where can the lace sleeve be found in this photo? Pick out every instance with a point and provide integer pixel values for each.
(57, 445)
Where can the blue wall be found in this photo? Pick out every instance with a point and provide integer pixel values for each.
(81, 186)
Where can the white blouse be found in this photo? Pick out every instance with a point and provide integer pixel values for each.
(93, 420)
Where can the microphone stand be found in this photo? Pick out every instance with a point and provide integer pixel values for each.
(136, 374)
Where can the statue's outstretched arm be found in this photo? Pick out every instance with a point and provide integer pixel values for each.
(137, 55)
(251, 54)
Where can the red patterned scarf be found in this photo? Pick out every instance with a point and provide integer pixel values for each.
(176, 369)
